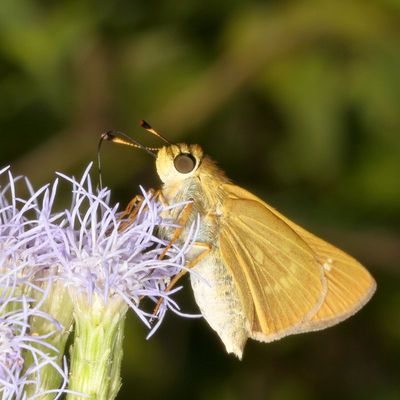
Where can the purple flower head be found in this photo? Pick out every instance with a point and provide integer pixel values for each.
(17, 305)
(98, 253)
(17, 343)
(89, 247)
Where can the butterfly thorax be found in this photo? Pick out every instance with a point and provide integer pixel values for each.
(205, 190)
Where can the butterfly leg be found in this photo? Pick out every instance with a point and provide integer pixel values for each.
(131, 211)
(191, 264)
(183, 218)
(136, 202)
(133, 207)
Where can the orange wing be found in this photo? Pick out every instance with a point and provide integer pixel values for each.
(281, 283)
(349, 284)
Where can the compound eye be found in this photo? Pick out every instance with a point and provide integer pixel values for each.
(184, 163)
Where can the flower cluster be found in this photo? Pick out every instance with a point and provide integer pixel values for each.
(97, 252)
(50, 261)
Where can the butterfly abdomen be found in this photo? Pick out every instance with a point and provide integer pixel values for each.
(218, 299)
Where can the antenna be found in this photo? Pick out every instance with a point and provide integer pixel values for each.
(148, 128)
(102, 138)
(120, 138)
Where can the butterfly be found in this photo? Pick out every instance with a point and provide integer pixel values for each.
(257, 274)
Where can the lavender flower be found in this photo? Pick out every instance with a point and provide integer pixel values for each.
(86, 264)
(20, 301)
(96, 255)
(16, 344)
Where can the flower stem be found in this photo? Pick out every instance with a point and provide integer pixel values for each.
(96, 353)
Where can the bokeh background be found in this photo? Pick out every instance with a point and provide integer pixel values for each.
(297, 100)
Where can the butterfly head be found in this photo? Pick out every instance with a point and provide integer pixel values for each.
(178, 162)
(174, 162)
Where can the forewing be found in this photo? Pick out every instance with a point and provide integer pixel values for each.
(272, 267)
(349, 284)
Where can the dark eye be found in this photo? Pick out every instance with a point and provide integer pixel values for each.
(184, 163)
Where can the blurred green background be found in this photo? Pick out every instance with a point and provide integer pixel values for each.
(297, 100)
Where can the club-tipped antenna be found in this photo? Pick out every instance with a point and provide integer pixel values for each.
(148, 128)
(120, 138)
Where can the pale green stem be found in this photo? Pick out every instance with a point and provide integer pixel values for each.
(96, 353)
(117, 360)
